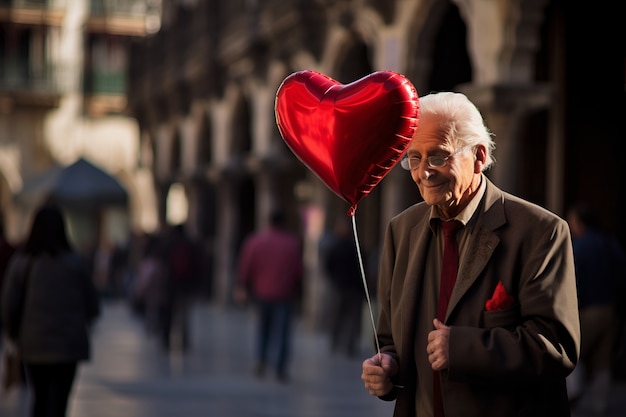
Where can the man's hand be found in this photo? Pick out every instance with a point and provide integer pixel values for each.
(438, 348)
(377, 373)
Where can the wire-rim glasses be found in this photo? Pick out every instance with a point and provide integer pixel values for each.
(434, 161)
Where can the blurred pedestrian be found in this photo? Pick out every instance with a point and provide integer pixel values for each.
(101, 269)
(49, 305)
(600, 264)
(118, 268)
(150, 291)
(270, 274)
(6, 252)
(341, 265)
(182, 277)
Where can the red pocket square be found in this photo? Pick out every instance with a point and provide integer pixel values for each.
(500, 299)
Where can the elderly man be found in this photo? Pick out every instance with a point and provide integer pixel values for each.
(488, 325)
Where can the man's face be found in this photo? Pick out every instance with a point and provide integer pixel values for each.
(449, 187)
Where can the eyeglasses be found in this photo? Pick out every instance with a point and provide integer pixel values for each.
(435, 161)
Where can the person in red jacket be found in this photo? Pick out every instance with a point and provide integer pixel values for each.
(270, 274)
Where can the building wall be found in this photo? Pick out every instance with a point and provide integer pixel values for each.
(515, 60)
(55, 112)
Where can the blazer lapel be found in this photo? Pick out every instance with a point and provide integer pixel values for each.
(420, 237)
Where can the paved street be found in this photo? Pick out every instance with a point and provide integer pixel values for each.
(130, 376)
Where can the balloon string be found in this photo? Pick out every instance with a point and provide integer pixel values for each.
(367, 293)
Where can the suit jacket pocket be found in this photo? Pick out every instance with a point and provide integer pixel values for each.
(508, 318)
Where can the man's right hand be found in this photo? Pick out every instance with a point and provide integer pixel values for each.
(377, 373)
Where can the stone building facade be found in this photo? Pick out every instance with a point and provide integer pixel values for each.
(62, 98)
(203, 92)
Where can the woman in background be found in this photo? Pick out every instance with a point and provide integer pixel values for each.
(49, 302)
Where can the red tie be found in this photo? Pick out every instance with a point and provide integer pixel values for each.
(449, 268)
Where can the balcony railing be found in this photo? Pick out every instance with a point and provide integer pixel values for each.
(106, 83)
(16, 75)
(121, 17)
(25, 3)
(33, 12)
(117, 7)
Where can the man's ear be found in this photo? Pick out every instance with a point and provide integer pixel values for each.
(480, 158)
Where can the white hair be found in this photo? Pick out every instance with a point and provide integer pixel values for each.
(460, 120)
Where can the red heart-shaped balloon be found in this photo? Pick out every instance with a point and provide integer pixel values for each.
(350, 135)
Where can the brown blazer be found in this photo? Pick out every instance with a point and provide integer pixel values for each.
(511, 362)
